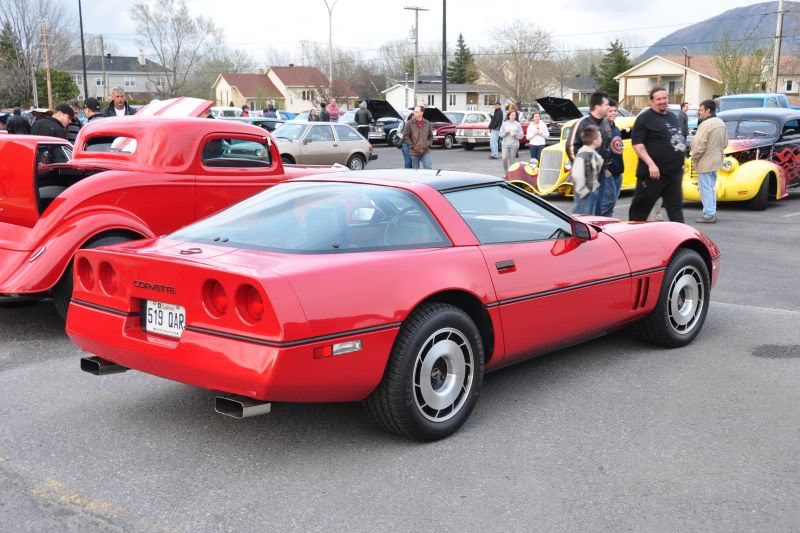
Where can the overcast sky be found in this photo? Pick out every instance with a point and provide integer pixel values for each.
(253, 25)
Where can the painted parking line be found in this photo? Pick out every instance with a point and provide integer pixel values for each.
(757, 308)
(791, 215)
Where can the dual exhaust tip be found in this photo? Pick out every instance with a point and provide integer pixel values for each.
(224, 405)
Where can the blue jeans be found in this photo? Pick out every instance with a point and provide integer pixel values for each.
(536, 151)
(708, 194)
(585, 205)
(406, 149)
(494, 143)
(423, 160)
(607, 195)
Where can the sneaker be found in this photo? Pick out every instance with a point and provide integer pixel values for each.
(707, 220)
(493, 157)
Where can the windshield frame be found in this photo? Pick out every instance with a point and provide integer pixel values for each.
(735, 136)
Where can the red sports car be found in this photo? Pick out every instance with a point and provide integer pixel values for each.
(398, 288)
(128, 178)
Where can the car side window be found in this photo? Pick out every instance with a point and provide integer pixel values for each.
(791, 130)
(346, 133)
(500, 214)
(239, 153)
(320, 134)
(771, 102)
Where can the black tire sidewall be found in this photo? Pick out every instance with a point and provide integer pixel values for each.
(448, 145)
(684, 258)
(468, 147)
(353, 158)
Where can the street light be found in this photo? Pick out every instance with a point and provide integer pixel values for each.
(330, 7)
(83, 54)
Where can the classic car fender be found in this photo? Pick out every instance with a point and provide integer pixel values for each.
(740, 184)
(38, 270)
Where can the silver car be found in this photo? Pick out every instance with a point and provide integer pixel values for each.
(323, 143)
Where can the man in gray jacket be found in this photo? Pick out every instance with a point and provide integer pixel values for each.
(708, 148)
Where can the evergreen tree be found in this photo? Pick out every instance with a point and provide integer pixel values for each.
(64, 87)
(462, 68)
(615, 61)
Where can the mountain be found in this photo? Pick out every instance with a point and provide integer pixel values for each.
(755, 22)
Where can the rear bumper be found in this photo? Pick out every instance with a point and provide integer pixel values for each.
(373, 156)
(278, 373)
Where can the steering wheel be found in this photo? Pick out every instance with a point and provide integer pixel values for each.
(395, 221)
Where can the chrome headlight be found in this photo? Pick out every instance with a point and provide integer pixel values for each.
(436, 132)
(727, 165)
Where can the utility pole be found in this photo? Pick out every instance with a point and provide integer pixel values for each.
(776, 58)
(444, 55)
(33, 82)
(83, 54)
(416, 11)
(330, 7)
(103, 66)
(47, 66)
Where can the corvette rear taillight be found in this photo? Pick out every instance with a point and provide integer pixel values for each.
(108, 278)
(215, 300)
(249, 304)
(85, 273)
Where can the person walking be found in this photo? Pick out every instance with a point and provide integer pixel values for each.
(324, 116)
(363, 120)
(598, 110)
(119, 105)
(611, 180)
(333, 110)
(418, 133)
(683, 118)
(661, 147)
(55, 125)
(91, 107)
(494, 131)
(585, 172)
(537, 135)
(707, 152)
(510, 135)
(17, 124)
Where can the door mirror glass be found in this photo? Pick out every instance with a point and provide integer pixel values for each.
(582, 231)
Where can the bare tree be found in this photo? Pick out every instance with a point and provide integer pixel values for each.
(93, 48)
(178, 40)
(277, 57)
(742, 66)
(397, 59)
(587, 60)
(24, 19)
(563, 68)
(518, 61)
(218, 61)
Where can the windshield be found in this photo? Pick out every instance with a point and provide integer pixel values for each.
(290, 131)
(455, 118)
(320, 217)
(751, 129)
(726, 104)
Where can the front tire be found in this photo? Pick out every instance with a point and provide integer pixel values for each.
(434, 375)
(760, 200)
(287, 159)
(449, 142)
(682, 304)
(62, 293)
(395, 140)
(356, 162)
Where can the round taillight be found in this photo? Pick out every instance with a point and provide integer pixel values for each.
(249, 304)
(215, 299)
(108, 278)
(85, 273)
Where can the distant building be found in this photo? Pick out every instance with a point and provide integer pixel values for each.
(576, 88)
(255, 90)
(463, 96)
(138, 76)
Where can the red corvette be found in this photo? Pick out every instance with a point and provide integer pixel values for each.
(128, 178)
(398, 288)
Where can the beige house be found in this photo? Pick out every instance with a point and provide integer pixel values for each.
(255, 90)
(693, 82)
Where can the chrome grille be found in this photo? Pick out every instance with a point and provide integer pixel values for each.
(550, 168)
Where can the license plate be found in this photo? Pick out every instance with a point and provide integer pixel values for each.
(164, 319)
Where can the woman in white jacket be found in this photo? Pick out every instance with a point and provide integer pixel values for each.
(537, 135)
(510, 134)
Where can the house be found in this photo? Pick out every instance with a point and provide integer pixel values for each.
(465, 96)
(255, 90)
(576, 88)
(693, 82)
(789, 78)
(138, 76)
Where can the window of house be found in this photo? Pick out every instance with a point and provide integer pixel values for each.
(451, 99)
(78, 79)
(238, 153)
(307, 95)
(431, 100)
(98, 82)
(130, 81)
(490, 99)
(789, 86)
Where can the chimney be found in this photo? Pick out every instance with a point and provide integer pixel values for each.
(141, 58)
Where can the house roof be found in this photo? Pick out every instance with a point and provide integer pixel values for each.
(249, 85)
(112, 64)
(584, 84)
(702, 65)
(301, 76)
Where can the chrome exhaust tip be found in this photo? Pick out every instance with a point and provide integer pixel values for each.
(241, 407)
(100, 367)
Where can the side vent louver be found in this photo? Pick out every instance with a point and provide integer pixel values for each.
(642, 291)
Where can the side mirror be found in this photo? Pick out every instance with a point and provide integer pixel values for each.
(583, 231)
(307, 140)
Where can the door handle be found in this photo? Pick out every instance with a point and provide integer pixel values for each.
(508, 264)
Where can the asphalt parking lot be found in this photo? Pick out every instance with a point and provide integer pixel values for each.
(611, 435)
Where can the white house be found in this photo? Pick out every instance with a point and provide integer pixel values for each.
(138, 76)
(255, 90)
(465, 96)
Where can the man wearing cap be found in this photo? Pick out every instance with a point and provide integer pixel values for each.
(56, 125)
(92, 109)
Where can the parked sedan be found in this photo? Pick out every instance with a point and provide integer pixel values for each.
(323, 143)
(269, 124)
(398, 288)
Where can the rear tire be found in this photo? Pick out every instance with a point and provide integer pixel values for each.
(760, 200)
(469, 147)
(434, 375)
(62, 293)
(287, 160)
(682, 303)
(448, 142)
(356, 162)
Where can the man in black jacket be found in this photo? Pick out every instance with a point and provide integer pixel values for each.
(18, 124)
(92, 109)
(598, 110)
(494, 130)
(119, 105)
(324, 116)
(363, 120)
(56, 125)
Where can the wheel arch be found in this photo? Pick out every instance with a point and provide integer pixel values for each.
(699, 247)
(290, 157)
(472, 305)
